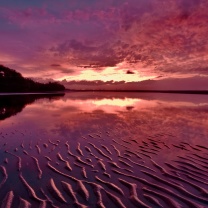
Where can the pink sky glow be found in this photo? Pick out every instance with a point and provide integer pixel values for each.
(125, 40)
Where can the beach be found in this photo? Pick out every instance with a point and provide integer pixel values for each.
(105, 150)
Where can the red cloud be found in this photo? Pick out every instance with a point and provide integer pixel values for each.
(168, 37)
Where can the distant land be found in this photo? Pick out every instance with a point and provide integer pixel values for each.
(193, 85)
(12, 81)
(148, 91)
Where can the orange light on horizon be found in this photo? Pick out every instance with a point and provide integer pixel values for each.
(108, 74)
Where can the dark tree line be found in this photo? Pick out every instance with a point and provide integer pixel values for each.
(12, 81)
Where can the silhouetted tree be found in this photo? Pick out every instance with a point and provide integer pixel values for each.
(12, 81)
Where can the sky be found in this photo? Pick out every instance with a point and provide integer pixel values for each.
(108, 41)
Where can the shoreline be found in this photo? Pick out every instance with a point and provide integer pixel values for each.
(146, 91)
(197, 92)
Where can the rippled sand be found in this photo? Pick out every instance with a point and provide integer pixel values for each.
(117, 163)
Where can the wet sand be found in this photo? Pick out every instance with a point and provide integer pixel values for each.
(100, 173)
(106, 161)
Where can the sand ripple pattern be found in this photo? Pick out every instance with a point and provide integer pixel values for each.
(99, 170)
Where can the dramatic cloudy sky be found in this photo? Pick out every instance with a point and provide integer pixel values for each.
(119, 40)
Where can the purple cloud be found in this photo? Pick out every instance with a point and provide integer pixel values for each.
(149, 37)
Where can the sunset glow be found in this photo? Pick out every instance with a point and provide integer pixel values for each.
(103, 103)
(116, 41)
(107, 74)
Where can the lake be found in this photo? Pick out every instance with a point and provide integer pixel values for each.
(103, 149)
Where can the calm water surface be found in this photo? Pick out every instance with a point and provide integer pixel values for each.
(39, 133)
(77, 114)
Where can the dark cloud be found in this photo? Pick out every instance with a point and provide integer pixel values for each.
(130, 72)
(188, 6)
(103, 55)
(66, 71)
(129, 108)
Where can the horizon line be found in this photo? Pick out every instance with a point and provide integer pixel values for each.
(147, 91)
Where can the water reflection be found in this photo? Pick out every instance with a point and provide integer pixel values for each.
(12, 104)
(79, 113)
(113, 102)
(109, 102)
(85, 142)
